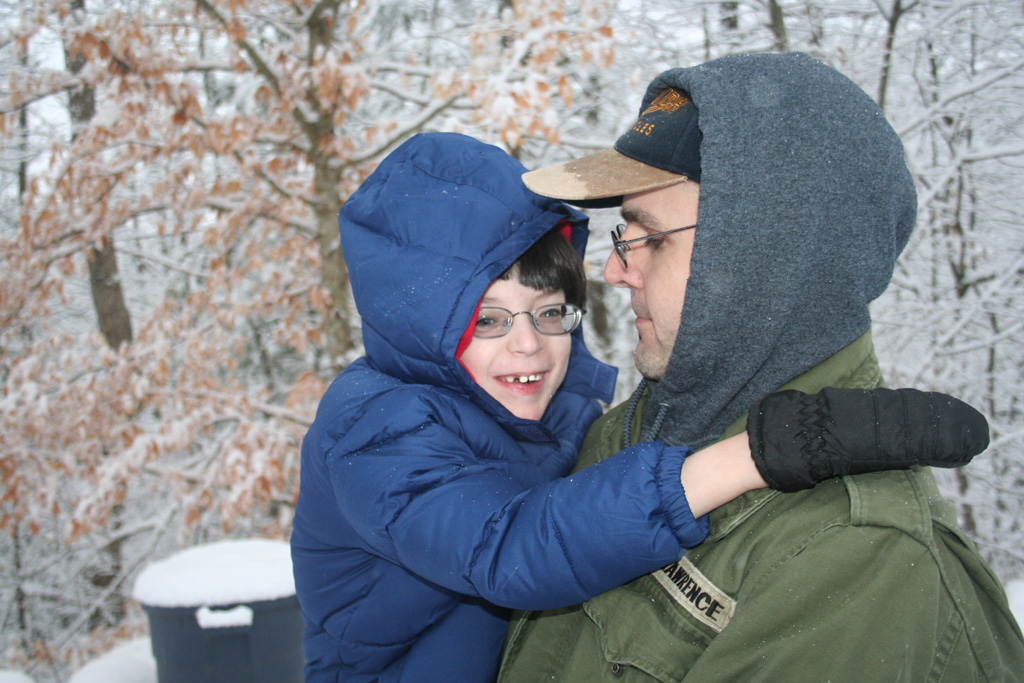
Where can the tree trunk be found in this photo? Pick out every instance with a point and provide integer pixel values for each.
(890, 39)
(23, 143)
(729, 17)
(112, 316)
(334, 275)
(777, 22)
(104, 281)
(599, 315)
(108, 296)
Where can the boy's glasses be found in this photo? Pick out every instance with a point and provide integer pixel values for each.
(553, 319)
(622, 247)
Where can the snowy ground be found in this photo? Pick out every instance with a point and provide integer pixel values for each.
(133, 662)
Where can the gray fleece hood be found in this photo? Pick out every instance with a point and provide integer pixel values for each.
(805, 204)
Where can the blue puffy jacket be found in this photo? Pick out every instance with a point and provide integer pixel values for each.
(426, 507)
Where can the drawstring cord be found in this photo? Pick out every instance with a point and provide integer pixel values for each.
(627, 425)
(652, 433)
(630, 412)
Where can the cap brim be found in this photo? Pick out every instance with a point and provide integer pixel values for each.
(598, 180)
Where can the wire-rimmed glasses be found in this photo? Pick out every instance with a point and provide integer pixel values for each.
(621, 247)
(552, 319)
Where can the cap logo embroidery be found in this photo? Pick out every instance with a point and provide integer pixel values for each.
(668, 101)
(644, 128)
(696, 594)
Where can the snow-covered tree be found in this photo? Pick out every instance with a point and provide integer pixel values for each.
(174, 298)
(174, 295)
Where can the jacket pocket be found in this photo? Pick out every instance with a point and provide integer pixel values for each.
(643, 628)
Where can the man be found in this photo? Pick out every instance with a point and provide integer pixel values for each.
(801, 202)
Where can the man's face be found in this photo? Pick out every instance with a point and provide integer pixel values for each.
(658, 269)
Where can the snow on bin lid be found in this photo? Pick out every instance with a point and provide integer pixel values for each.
(221, 573)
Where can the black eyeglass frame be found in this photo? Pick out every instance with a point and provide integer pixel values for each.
(621, 247)
(572, 309)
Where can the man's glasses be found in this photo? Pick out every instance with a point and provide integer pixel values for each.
(552, 319)
(622, 247)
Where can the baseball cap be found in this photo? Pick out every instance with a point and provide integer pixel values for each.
(661, 149)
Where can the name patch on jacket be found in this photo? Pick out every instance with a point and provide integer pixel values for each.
(696, 594)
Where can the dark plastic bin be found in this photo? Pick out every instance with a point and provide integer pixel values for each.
(223, 612)
(268, 651)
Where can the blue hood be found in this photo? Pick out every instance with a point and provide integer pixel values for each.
(425, 235)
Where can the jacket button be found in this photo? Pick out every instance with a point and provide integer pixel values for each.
(618, 670)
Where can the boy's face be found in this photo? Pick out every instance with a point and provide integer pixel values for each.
(523, 369)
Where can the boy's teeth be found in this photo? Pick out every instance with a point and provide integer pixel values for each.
(524, 379)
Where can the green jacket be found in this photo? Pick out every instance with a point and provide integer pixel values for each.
(865, 578)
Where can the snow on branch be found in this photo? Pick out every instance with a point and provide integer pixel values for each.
(953, 94)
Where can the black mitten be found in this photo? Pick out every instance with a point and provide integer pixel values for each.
(798, 439)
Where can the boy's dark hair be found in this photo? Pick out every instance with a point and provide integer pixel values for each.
(552, 263)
